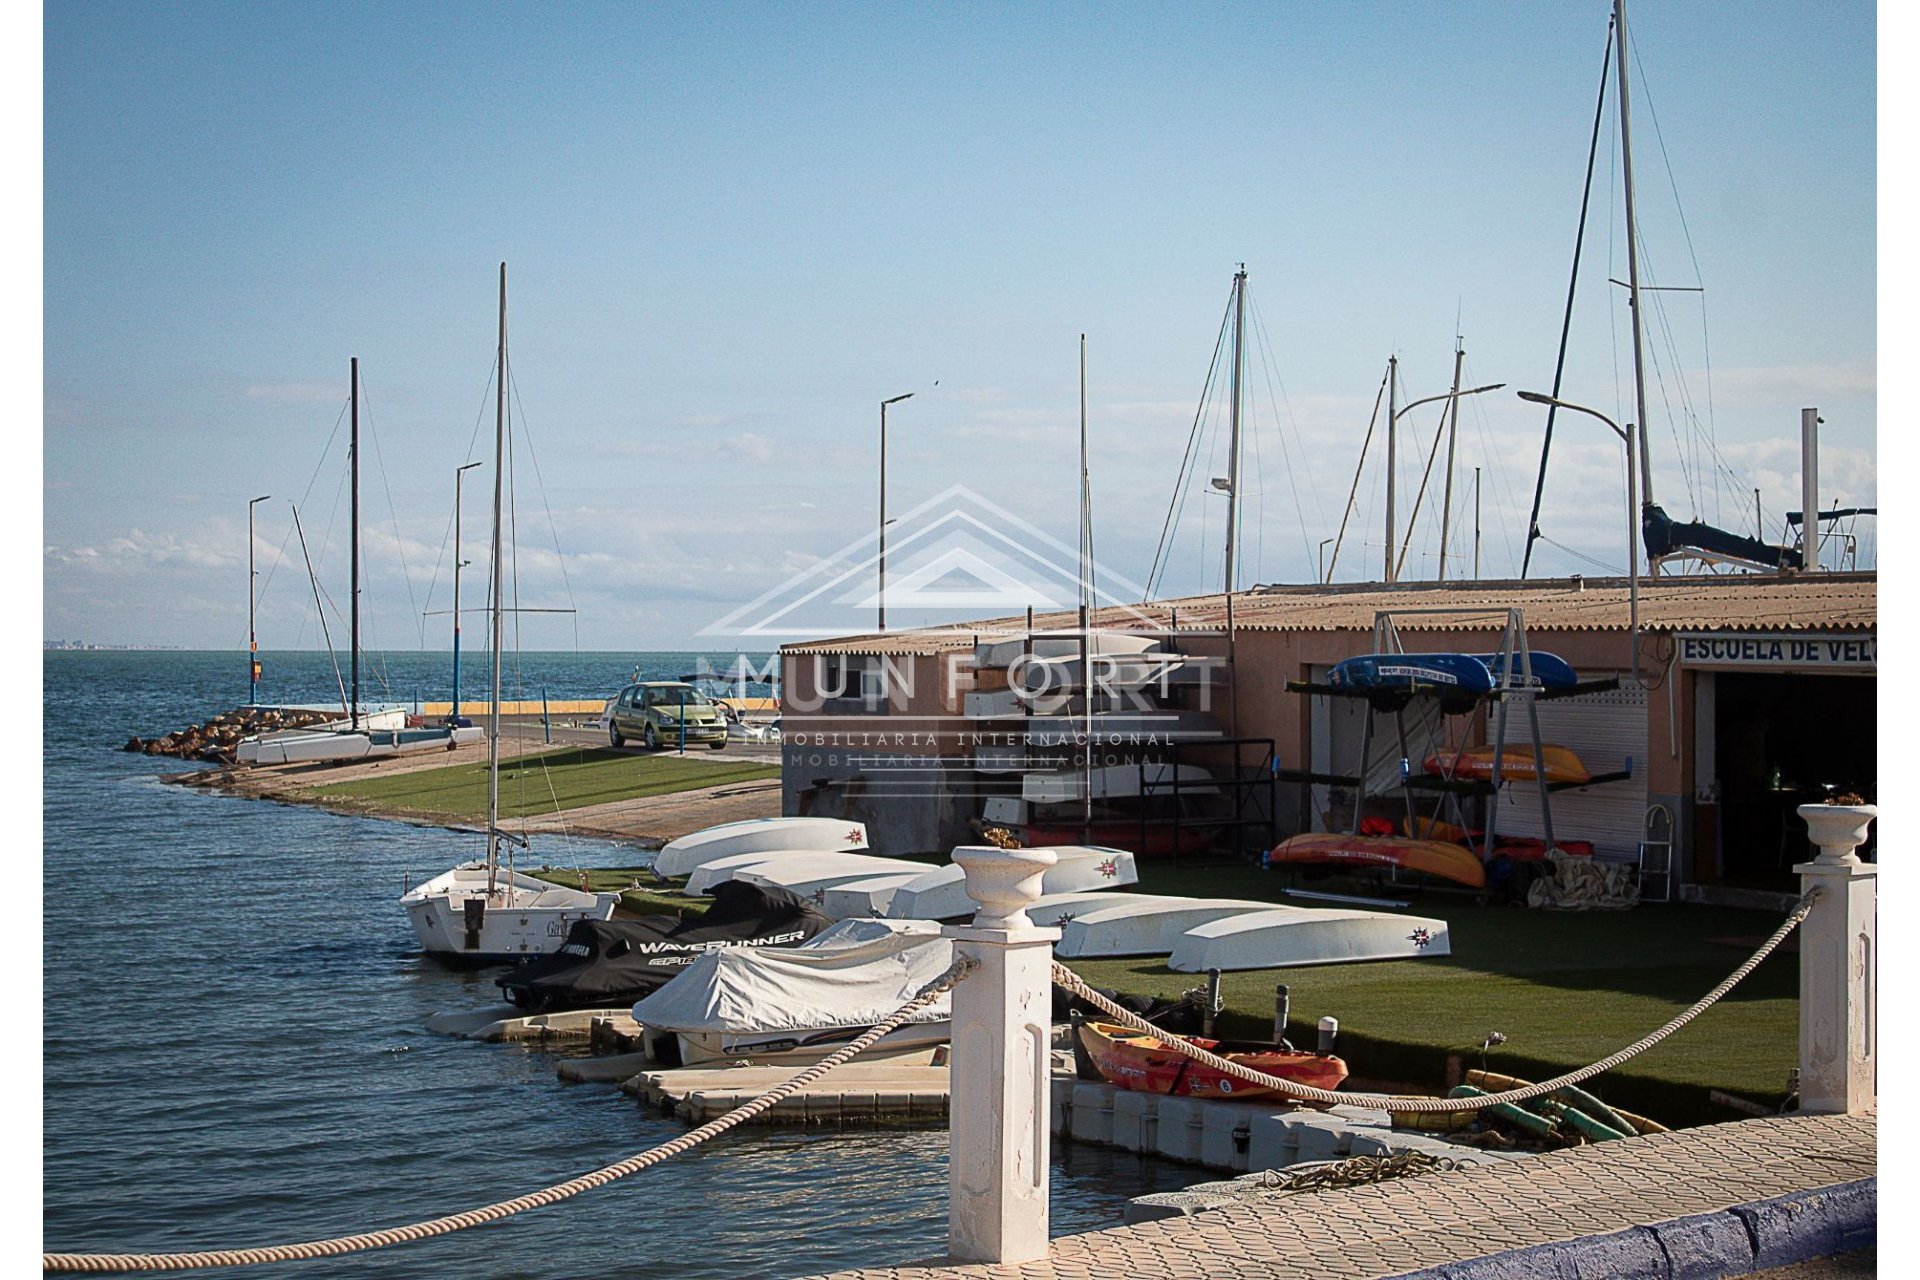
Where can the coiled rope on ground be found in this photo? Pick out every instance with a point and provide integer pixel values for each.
(114, 1262)
(1071, 982)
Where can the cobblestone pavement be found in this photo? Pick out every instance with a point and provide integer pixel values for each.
(1590, 1194)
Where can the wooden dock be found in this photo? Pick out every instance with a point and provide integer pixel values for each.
(859, 1093)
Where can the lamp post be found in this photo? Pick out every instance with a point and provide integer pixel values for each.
(253, 645)
(883, 504)
(459, 473)
(1393, 417)
(1633, 511)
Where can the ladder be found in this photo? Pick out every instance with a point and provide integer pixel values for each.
(1656, 853)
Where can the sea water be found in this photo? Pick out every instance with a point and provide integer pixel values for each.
(236, 1055)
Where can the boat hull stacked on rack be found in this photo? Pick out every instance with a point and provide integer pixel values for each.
(683, 856)
(1516, 764)
(1288, 937)
(1434, 857)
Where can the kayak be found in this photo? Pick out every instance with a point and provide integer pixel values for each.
(1138, 1061)
(1435, 857)
(1516, 764)
(1390, 672)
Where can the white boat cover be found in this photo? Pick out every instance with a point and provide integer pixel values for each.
(1281, 937)
(1146, 927)
(850, 976)
(867, 897)
(680, 857)
(807, 862)
(941, 894)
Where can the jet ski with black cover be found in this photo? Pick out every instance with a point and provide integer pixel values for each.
(611, 963)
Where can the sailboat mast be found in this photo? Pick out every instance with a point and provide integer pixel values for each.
(1233, 456)
(353, 461)
(499, 565)
(1453, 432)
(1086, 608)
(1393, 379)
(1633, 251)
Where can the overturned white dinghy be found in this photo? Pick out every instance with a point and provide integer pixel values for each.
(811, 875)
(804, 1002)
(1058, 910)
(1281, 937)
(941, 894)
(867, 897)
(758, 835)
(800, 863)
(1143, 926)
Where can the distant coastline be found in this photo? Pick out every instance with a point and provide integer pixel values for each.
(82, 644)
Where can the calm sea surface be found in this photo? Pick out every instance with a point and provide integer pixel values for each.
(234, 1047)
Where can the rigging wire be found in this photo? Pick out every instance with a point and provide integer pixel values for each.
(325, 449)
(1176, 505)
(1264, 345)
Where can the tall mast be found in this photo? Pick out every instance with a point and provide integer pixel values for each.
(1086, 609)
(353, 459)
(493, 709)
(1233, 456)
(1393, 378)
(1633, 252)
(1453, 431)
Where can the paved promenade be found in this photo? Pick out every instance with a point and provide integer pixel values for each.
(1720, 1200)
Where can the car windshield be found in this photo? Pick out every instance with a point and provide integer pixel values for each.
(676, 695)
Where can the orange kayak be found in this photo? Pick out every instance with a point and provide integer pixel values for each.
(1516, 764)
(1137, 1061)
(1435, 857)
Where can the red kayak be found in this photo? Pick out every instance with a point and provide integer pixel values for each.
(1137, 1061)
(1435, 857)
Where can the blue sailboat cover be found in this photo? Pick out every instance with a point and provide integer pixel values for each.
(1550, 670)
(1458, 672)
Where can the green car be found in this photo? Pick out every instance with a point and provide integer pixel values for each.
(654, 713)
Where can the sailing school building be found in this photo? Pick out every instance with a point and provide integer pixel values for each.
(1212, 727)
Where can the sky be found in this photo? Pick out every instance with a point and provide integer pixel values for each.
(732, 230)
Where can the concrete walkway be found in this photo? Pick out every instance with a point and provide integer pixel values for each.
(1726, 1199)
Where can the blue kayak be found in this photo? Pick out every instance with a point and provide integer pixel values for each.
(1403, 672)
(1550, 671)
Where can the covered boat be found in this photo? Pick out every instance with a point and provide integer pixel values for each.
(681, 856)
(1138, 1061)
(1516, 764)
(1395, 672)
(1284, 937)
(1137, 925)
(1550, 670)
(802, 863)
(1331, 848)
(801, 1003)
(612, 963)
(941, 893)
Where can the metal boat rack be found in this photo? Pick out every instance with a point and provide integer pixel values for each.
(1252, 826)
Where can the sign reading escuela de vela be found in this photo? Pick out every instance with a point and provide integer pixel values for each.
(1778, 651)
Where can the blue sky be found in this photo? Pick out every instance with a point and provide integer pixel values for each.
(733, 229)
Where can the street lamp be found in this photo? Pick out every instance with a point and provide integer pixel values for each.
(1633, 512)
(459, 473)
(883, 504)
(1393, 417)
(253, 645)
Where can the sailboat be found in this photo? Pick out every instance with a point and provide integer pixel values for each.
(481, 912)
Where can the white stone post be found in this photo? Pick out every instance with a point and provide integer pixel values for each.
(1838, 992)
(1000, 1063)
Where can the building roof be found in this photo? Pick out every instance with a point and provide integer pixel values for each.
(1727, 602)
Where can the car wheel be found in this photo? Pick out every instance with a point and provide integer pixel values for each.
(651, 738)
(613, 735)
(718, 746)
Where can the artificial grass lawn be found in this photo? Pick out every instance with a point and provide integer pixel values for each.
(544, 782)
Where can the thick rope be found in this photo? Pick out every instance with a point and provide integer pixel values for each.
(1071, 982)
(103, 1262)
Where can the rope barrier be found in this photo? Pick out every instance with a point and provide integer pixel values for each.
(114, 1262)
(1071, 982)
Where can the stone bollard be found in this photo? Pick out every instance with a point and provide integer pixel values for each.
(1838, 991)
(1000, 1065)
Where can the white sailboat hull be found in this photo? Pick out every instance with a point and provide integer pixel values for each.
(811, 877)
(781, 866)
(941, 894)
(523, 917)
(1281, 937)
(866, 898)
(683, 856)
(1145, 928)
